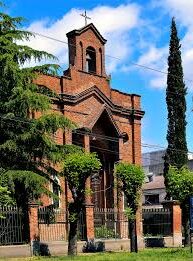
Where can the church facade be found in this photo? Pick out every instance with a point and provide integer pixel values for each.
(108, 121)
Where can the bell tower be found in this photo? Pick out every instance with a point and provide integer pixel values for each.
(87, 50)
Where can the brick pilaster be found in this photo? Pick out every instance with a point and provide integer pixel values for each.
(139, 228)
(33, 227)
(177, 224)
(68, 137)
(120, 200)
(89, 207)
(175, 208)
(67, 141)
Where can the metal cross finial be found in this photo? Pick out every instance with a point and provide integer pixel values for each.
(85, 17)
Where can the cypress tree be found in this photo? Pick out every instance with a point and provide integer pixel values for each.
(176, 152)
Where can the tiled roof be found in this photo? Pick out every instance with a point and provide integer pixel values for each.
(156, 183)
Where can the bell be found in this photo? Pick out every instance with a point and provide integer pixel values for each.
(88, 56)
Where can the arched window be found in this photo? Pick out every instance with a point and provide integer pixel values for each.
(90, 60)
(56, 191)
(81, 47)
(101, 60)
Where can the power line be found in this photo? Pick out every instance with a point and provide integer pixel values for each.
(105, 137)
(76, 143)
(106, 150)
(135, 64)
(113, 57)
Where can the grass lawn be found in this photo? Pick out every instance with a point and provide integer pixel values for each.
(147, 254)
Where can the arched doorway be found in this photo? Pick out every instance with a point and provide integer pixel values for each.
(104, 140)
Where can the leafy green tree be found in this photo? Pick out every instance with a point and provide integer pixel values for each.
(180, 187)
(5, 198)
(77, 168)
(176, 153)
(130, 179)
(5, 194)
(28, 152)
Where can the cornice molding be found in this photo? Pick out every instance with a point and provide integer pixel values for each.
(84, 29)
(94, 90)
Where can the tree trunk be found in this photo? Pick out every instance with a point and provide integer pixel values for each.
(72, 238)
(133, 236)
(185, 222)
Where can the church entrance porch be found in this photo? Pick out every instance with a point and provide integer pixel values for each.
(102, 139)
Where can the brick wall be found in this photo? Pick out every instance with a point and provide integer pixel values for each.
(85, 96)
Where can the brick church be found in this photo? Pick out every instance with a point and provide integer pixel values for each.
(109, 121)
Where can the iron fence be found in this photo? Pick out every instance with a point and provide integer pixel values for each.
(157, 222)
(12, 226)
(54, 224)
(110, 224)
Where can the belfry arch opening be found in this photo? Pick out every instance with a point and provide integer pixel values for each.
(90, 60)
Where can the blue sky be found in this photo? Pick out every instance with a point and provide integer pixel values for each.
(137, 32)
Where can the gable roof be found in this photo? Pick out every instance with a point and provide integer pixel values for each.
(84, 29)
(94, 90)
(90, 123)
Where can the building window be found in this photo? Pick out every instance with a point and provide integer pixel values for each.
(101, 59)
(81, 47)
(152, 199)
(56, 192)
(90, 60)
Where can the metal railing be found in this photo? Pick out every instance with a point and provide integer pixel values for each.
(109, 224)
(12, 226)
(157, 222)
(54, 224)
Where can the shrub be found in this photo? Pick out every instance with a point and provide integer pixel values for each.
(104, 232)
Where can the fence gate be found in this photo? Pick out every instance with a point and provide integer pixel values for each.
(12, 226)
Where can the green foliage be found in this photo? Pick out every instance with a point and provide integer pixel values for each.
(5, 194)
(5, 197)
(180, 187)
(180, 184)
(104, 232)
(28, 150)
(129, 213)
(32, 183)
(130, 179)
(148, 254)
(77, 168)
(176, 153)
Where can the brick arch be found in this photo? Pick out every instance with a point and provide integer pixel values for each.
(101, 61)
(91, 59)
(105, 142)
(81, 53)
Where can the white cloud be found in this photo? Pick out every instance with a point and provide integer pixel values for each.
(114, 23)
(182, 11)
(153, 58)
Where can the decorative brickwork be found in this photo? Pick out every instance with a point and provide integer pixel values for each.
(104, 116)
